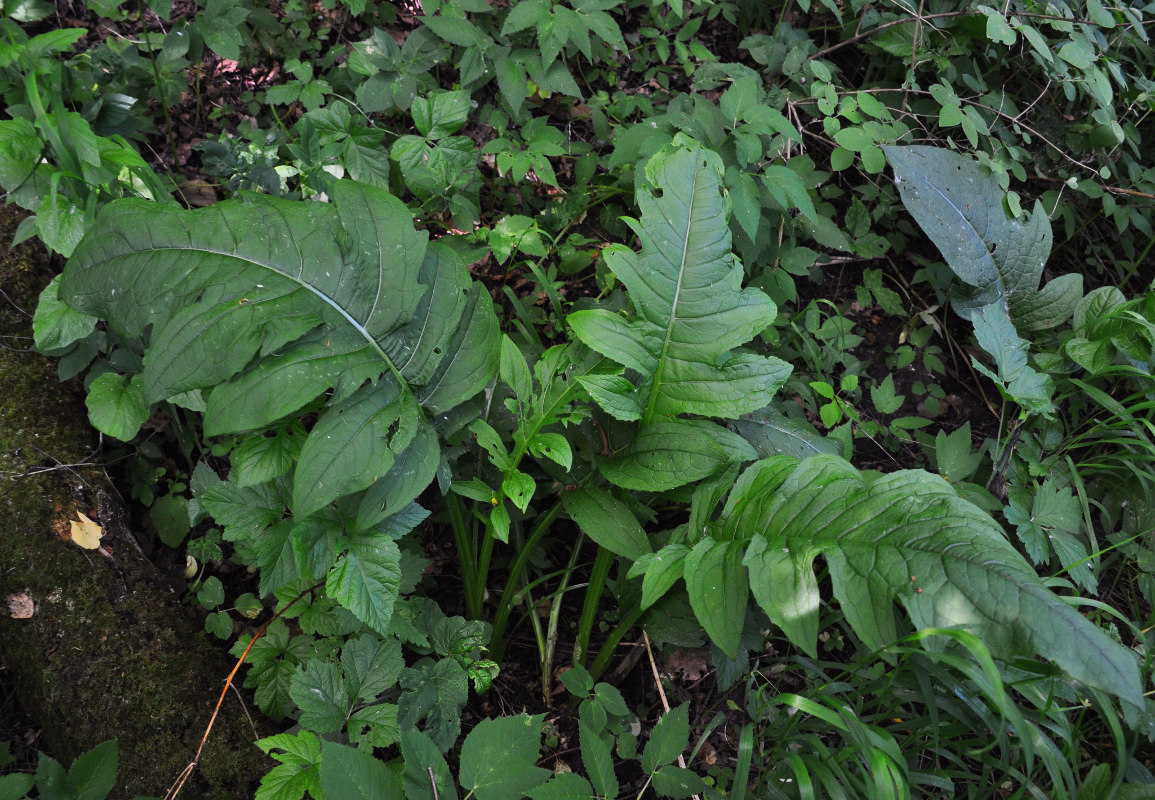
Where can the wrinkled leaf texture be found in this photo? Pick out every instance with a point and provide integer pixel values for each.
(268, 303)
(685, 339)
(686, 286)
(905, 537)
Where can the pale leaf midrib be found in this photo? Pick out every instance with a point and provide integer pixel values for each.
(663, 353)
(331, 302)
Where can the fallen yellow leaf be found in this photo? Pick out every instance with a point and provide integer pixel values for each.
(86, 533)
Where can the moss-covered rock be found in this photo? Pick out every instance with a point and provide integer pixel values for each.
(97, 644)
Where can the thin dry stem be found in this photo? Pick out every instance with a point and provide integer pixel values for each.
(175, 789)
(662, 693)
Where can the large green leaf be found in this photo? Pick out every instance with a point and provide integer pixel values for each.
(666, 455)
(907, 536)
(607, 520)
(270, 303)
(691, 318)
(348, 773)
(717, 586)
(498, 757)
(686, 287)
(959, 205)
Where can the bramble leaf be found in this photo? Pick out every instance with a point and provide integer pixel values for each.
(299, 770)
(371, 665)
(321, 695)
(598, 760)
(676, 782)
(346, 772)
(93, 774)
(437, 691)
(427, 776)
(367, 580)
(498, 756)
(564, 786)
(668, 739)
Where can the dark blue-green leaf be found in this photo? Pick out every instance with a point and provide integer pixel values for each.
(959, 204)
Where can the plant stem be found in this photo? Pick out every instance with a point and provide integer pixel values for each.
(601, 570)
(465, 556)
(159, 83)
(531, 614)
(551, 635)
(481, 576)
(606, 654)
(508, 594)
